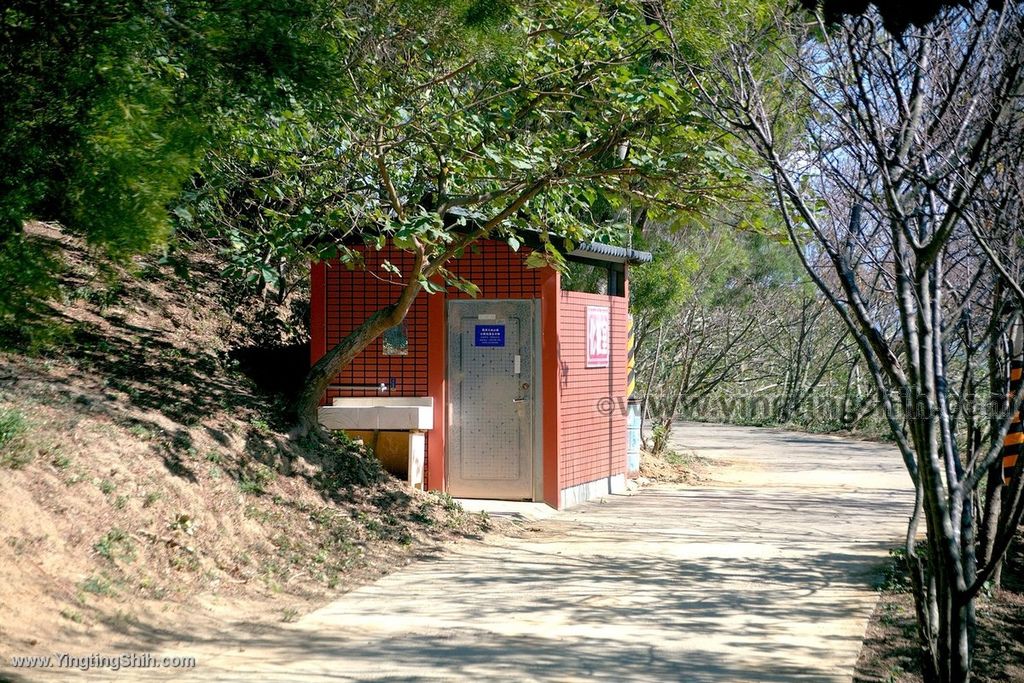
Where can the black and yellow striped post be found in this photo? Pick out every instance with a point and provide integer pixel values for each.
(630, 358)
(1015, 437)
(1014, 441)
(634, 421)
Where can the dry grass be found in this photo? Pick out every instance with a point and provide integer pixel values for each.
(674, 467)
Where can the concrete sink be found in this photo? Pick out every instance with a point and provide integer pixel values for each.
(387, 413)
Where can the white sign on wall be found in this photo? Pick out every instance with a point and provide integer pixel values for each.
(599, 335)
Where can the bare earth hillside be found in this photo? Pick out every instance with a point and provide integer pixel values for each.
(148, 489)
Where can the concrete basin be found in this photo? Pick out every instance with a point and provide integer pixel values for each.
(397, 413)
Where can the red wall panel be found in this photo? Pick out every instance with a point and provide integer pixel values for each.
(592, 440)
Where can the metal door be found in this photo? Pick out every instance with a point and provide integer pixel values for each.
(491, 390)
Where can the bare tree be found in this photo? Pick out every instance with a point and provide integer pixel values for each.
(896, 183)
(694, 344)
(804, 350)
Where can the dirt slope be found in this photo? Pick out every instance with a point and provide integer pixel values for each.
(146, 483)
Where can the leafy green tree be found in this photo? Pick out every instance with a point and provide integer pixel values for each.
(528, 125)
(107, 108)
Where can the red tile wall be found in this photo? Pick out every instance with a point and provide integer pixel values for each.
(351, 297)
(499, 272)
(592, 442)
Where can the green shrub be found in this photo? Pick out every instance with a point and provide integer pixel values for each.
(97, 585)
(14, 452)
(27, 283)
(256, 478)
(12, 425)
(115, 544)
(896, 574)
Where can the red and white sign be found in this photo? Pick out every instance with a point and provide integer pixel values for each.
(599, 335)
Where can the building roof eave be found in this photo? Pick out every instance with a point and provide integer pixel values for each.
(598, 251)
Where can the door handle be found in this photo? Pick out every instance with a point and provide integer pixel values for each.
(519, 400)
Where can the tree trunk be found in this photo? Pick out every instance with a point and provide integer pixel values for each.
(645, 406)
(325, 369)
(319, 377)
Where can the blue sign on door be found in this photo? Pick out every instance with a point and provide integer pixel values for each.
(489, 335)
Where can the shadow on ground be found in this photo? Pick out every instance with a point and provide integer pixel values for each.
(690, 585)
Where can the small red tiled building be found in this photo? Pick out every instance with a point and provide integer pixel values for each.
(528, 380)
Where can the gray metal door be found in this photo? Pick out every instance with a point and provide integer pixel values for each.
(491, 399)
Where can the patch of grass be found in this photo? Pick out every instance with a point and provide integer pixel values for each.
(890, 614)
(421, 515)
(373, 526)
(61, 461)
(97, 585)
(895, 575)
(99, 295)
(449, 504)
(141, 432)
(260, 515)
(344, 464)
(107, 487)
(121, 502)
(290, 615)
(675, 458)
(14, 452)
(895, 675)
(680, 459)
(72, 615)
(256, 478)
(337, 546)
(185, 560)
(114, 545)
(151, 498)
(181, 441)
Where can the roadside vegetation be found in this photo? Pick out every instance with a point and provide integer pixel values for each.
(890, 652)
(672, 466)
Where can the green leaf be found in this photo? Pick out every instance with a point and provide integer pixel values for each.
(184, 214)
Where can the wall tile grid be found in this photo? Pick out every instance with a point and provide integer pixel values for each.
(499, 272)
(351, 297)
